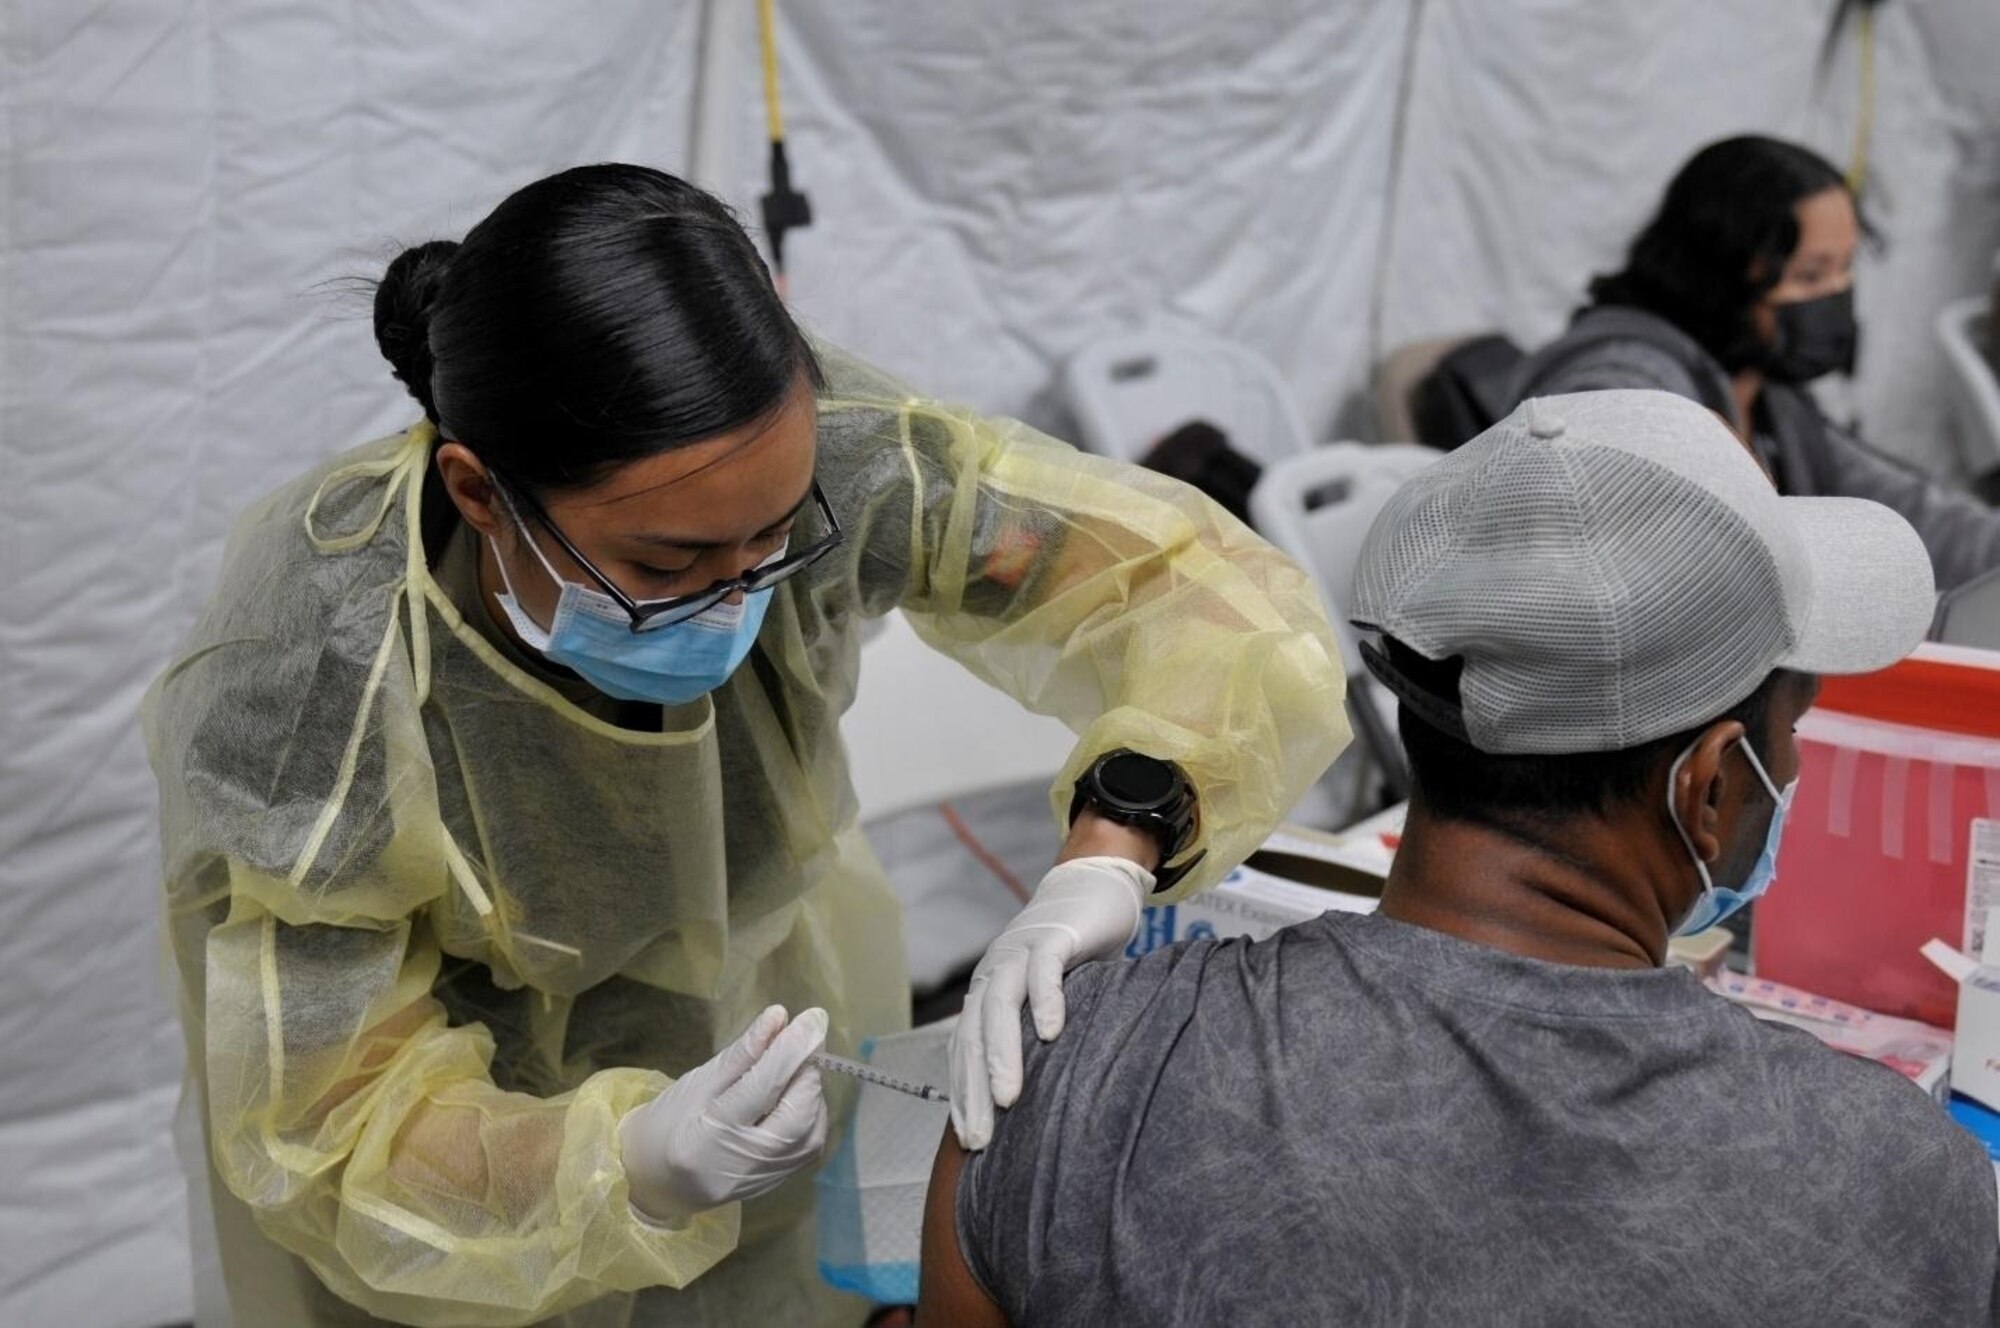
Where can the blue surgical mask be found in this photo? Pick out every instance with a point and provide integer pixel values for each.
(1717, 902)
(592, 636)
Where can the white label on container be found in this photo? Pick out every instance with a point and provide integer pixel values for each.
(1982, 885)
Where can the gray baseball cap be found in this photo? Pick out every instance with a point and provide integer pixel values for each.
(1613, 567)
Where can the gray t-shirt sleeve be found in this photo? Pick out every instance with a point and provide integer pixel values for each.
(997, 1186)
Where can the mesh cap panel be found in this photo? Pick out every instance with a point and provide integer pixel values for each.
(1599, 598)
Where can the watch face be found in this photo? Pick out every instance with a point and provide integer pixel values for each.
(1136, 781)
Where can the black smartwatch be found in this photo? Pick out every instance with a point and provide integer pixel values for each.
(1146, 794)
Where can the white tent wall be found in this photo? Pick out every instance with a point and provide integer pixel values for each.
(1000, 184)
(994, 185)
(181, 183)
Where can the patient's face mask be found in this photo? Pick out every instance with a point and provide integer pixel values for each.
(591, 635)
(1814, 337)
(1717, 902)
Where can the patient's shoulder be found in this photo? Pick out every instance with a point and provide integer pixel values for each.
(1124, 1014)
(1166, 983)
(1851, 1114)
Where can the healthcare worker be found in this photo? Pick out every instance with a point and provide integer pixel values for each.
(511, 858)
(1737, 294)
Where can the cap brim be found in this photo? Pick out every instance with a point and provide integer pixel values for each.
(1873, 594)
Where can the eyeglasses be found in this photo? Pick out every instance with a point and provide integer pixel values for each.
(651, 615)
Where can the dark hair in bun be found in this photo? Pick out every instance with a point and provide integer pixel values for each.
(597, 317)
(404, 299)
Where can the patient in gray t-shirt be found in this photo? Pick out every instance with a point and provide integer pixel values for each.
(1489, 1103)
(1364, 1121)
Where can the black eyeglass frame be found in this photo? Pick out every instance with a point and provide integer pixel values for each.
(651, 615)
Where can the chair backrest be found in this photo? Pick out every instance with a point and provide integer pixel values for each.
(1318, 507)
(924, 730)
(1969, 615)
(1397, 378)
(1961, 327)
(1128, 392)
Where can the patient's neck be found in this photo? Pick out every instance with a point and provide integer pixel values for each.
(1586, 893)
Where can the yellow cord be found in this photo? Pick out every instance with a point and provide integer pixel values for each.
(767, 27)
(1857, 170)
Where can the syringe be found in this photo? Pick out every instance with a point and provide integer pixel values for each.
(869, 1074)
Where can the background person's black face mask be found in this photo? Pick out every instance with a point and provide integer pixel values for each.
(1815, 337)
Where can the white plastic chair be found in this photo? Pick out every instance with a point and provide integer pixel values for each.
(1969, 615)
(1317, 508)
(1128, 392)
(1975, 392)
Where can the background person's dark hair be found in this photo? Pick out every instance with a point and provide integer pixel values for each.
(599, 316)
(1459, 782)
(1720, 241)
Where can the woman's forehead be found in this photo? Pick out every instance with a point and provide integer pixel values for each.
(769, 461)
(1827, 222)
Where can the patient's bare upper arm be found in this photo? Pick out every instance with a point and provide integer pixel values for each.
(949, 1296)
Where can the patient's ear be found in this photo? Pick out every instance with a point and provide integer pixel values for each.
(1699, 788)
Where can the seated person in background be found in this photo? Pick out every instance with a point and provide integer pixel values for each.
(1489, 1103)
(1738, 293)
(1199, 453)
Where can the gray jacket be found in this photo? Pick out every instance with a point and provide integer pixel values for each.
(1808, 454)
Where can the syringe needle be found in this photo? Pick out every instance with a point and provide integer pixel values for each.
(826, 1060)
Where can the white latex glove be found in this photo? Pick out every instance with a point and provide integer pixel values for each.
(1084, 909)
(732, 1128)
